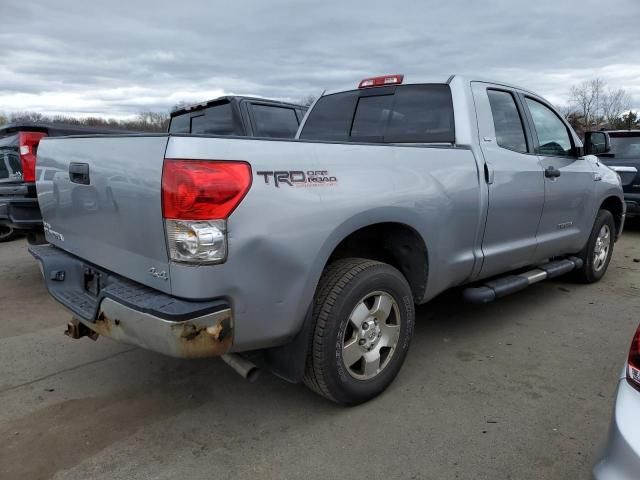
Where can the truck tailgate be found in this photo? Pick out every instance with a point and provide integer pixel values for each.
(112, 217)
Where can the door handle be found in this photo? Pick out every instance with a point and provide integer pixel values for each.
(79, 173)
(551, 172)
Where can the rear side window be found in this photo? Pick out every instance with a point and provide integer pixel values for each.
(275, 122)
(507, 121)
(409, 114)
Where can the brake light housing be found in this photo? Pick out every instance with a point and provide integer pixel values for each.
(382, 81)
(28, 149)
(633, 364)
(197, 198)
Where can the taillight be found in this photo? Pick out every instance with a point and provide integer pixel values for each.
(633, 369)
(381, 81)
(28, 148)
(197, 198)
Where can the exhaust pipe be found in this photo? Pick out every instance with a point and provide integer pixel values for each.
(244, 367)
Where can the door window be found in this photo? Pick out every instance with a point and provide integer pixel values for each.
(507, 121)
(553, 135)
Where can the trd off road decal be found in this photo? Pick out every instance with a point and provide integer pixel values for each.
(299, 178)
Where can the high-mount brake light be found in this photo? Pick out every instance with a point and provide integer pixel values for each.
(197, 198)
(28, 148)
(382, 81)
(633, 368)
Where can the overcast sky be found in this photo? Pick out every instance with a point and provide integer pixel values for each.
(115, 58)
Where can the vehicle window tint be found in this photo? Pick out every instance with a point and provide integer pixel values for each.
(627, 146)
(301, 114)
(370, 120)
(331, 118)
(274, 122)
(553, 136)
(507, 121)
(422, 113)
(216, 120)
(180, 124)
(410, 114)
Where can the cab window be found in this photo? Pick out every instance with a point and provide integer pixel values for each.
(553, 135)
(507, 121)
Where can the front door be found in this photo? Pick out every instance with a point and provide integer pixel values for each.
(514, 179)
(569, 184)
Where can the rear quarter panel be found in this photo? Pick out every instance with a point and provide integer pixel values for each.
(281, 237)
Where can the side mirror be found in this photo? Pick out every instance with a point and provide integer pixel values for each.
(596, 143)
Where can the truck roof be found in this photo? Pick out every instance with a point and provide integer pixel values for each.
(229, 98)
(450, 79)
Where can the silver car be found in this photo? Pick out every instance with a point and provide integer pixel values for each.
(620, 459)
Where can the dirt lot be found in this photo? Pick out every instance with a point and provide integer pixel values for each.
(518, 389)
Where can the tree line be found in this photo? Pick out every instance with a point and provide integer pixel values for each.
(591, 105)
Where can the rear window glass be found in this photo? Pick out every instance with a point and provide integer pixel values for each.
(507, 121)
(214, 120)
(410, 114)
(180, 124)
(275, 122)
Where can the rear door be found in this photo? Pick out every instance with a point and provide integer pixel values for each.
(10, 166)
(513, 176)
(569, 185)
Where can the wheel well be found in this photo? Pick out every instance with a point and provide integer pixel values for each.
(614, 205)
(394, 243)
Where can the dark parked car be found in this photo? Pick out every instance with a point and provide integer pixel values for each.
(624, 158)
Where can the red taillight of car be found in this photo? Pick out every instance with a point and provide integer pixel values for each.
(633, 368)
(197, 198)
(381, 81)
(203, 189)
(28, 148)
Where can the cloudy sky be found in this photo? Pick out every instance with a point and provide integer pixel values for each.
(115, 58)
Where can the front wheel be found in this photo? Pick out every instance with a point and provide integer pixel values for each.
(363, 322)
(598, 251)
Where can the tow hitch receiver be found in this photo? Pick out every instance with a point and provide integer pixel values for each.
(76, 329)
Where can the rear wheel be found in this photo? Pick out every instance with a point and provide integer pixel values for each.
(363, 323)
(597, 254)
(7, 233)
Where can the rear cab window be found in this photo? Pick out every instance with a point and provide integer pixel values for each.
(399, 114)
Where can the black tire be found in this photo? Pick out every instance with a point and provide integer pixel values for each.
(344, 285)
(7, 233)
(593, 270)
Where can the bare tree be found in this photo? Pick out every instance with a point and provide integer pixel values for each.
(3, 119)
(587, 98)
(614, 103)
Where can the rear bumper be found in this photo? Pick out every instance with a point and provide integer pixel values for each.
(620, 459)
(19, 207)
(133, 313)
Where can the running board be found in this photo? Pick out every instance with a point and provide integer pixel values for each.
(503, 286)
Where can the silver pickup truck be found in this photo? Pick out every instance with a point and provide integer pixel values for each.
(308, 255)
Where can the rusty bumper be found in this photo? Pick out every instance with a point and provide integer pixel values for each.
(209, 335)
